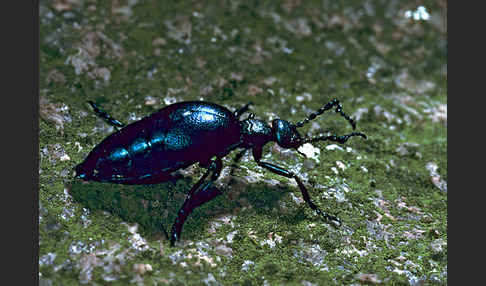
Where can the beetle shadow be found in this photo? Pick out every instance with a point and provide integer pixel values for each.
(150, 206)
(154, 207)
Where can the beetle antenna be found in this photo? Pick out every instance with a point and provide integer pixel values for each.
(334, 137)
(329, 105)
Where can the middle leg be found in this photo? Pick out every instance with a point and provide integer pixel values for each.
(237, 159)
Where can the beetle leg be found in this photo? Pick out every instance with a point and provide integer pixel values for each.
(236, 159)
(105, 116)
(257, 155)
(199, 194)
(242, 110)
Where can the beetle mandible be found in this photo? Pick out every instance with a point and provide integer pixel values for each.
(150, 150)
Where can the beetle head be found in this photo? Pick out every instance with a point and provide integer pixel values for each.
(287, 136)
(285, 133)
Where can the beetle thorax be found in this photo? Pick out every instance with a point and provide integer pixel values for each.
(255, 132)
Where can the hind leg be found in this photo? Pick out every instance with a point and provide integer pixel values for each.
(200, 193)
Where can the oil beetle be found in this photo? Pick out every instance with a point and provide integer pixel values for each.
(150, 150)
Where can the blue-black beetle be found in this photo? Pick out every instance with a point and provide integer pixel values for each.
(150, 150)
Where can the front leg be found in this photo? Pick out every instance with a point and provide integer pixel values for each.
(242, 110)
(257, 155)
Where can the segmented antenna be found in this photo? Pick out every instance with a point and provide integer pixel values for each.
(329, 105)
(334, 137)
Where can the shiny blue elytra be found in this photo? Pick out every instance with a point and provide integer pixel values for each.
(150, 150)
